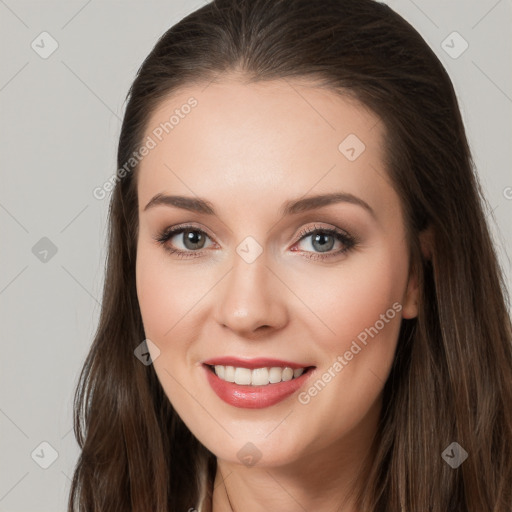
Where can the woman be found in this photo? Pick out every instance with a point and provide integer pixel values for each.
(303, 307)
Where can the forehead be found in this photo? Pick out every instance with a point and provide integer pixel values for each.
(277, 138)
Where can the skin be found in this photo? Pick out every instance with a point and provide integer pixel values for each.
(248, 148)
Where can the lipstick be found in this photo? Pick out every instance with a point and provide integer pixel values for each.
(255, 396)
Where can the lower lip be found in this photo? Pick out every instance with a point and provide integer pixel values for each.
(254, 397)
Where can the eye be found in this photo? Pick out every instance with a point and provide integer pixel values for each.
(322, 240)
(191, 238)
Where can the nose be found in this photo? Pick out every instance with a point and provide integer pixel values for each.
(251, 299)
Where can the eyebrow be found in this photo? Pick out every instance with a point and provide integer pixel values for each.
(290, 207)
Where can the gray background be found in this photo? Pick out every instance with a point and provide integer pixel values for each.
(60, 119)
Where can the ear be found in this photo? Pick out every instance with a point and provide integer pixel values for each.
(410, 303)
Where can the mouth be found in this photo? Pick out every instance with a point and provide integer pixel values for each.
(261, 376)
(256, 387)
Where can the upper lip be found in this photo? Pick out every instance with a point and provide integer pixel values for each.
(258, 362)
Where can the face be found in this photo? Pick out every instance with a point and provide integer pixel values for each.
(257, 274)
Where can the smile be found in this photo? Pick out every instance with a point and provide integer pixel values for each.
(256, 387)
(257, 376)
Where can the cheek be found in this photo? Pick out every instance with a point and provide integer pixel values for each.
(369, 294)
(153, 301)
(361, 305)
(164, 292)
(160, 293)
(352, 298)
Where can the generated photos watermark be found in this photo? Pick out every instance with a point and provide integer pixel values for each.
(343, 360)
(151, 142)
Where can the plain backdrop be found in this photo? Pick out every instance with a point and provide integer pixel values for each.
(60, 116)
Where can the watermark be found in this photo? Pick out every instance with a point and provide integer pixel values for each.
(343, 360)
(44, 250)
(454, 455)
(151, 142)
(507, 193)
(44, 455)
(44, 45)
(351, 147)
(248, 249)
(249, 454)
(454, 45)
(147, 352)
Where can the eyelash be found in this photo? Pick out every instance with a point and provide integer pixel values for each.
(347, 240)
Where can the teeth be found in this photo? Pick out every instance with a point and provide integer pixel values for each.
(287, 374)
(298, 372)
(242, 376)
(276, 375)
(229, 373)
(258, 376)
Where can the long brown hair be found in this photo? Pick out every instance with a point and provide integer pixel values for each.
(452, 376)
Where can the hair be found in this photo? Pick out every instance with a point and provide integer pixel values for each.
(451, 378)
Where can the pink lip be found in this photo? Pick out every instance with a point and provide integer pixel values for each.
(258, 362)
(255, 397)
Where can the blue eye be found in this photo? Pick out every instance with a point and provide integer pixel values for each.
(323, 240)
(194, 239)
